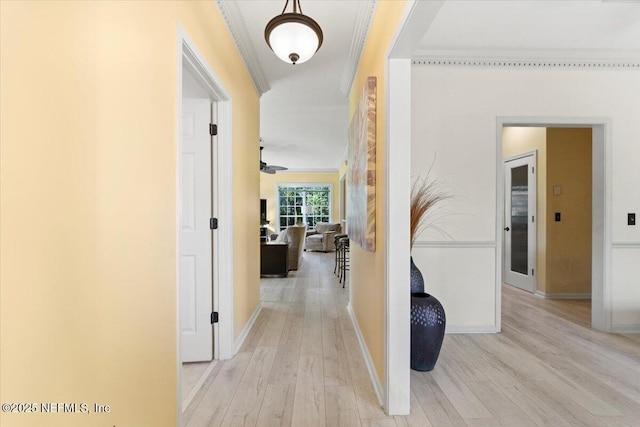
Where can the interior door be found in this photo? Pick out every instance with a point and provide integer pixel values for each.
(195, 234)
(520, 222)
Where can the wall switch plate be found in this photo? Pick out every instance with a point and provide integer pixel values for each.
(631, 219)
(558, 216)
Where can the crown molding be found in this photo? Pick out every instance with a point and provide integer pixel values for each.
(364, 16)
(237, 28)
(510, 63)
(587, 59)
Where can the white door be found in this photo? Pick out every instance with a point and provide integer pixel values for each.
(195, 234)
(520, 222)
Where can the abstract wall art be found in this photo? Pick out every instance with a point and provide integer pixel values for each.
(361, 170)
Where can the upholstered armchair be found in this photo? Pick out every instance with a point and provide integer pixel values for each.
(294, 236)
(321, 238)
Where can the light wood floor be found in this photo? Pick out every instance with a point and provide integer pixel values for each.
(301, 366)
(193, 376)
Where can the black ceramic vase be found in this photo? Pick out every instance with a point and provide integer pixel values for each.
(417, 282)
(427, 330)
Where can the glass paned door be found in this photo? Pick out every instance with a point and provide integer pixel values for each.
(520, 224)
(519, 214)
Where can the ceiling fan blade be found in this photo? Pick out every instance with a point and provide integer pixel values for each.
(270, 169)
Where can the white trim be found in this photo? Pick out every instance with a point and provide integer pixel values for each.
(364, 15)
(247, 328)
(563, 295)
(368, 361)
(625, 245)
(397, 336)
(479, 329)
(417, 17)
(626, 329)
(467, 61)
(223, 196)
(521, 156)
(499, 226)
(190, 59)
(223, 301)
(455, 244)
(238, 30)
(601, 282)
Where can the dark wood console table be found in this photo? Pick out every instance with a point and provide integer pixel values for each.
(274, 259)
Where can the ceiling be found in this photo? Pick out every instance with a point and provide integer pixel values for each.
(304, 108)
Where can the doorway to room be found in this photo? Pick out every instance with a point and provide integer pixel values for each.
(569, 262)
(520, 243)
(196, 238)
(204, 223)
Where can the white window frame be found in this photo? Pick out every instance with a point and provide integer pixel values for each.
(302, 185)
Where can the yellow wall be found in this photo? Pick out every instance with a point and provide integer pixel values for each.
(269, 191)
(367, 269)
(88, 202)
(569, 241)
(518, 140)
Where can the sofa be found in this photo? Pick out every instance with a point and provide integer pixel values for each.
(321, 238)
(294, 236)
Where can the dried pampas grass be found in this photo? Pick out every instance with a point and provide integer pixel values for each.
(426, 195)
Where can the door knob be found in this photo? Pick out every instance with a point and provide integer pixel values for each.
(506, 229)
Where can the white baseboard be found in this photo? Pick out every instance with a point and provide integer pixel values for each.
(480, 329)
(563, 296)
(246, 329)
(625, 329)
(373, 375)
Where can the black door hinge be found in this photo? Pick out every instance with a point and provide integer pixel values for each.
(214, 317)
(213, 129)
(213, 223)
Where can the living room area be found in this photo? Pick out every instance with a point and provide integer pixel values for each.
(300, 212)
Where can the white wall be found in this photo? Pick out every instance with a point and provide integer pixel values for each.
(454, 113)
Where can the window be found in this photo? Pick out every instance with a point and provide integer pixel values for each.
(291, 199)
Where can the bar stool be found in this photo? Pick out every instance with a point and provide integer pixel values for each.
(336, 241)
(343, 260)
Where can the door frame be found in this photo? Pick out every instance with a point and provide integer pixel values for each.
(601, 227)
(190, 60)
(533, 238)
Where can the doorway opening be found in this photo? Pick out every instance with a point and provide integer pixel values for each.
(520, 243)
(204, 278)
(571, 217)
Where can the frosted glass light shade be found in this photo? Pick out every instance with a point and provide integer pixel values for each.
(293, 37)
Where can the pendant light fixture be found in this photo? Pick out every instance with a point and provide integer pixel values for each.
(293, 37)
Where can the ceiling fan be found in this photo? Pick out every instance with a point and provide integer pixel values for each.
(270, 169)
